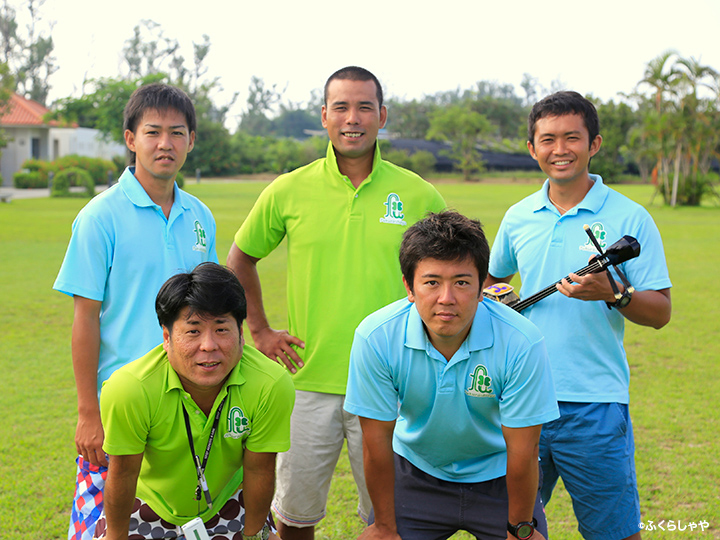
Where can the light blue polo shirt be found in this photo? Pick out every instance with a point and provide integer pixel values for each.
(122, 250)
(449, 414)
(584, 339)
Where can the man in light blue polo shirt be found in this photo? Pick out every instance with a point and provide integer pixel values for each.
(542, 237)
(125, 244)
(451, 392)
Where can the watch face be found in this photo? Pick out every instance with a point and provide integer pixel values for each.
(525, 531)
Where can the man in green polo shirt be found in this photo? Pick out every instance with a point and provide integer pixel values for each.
(343, 216)
(193, 427)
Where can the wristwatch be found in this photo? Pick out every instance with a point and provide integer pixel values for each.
(522, 530)
(624, 299)
(262, 534)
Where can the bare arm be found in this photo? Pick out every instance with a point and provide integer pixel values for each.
(119, 495)
(258, 488)
(522, 473)
(275, 344)
(89, 433)
(647, 308)
(378, 460)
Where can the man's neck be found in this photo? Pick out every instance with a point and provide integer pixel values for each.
(568, 195)
(161, 192)
(357, 169)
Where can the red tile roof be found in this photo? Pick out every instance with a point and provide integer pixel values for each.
(24, 112)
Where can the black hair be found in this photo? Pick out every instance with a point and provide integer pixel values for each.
(159, 97)
(560, 104)
(209, 289)
(354, 73)
(446, 236)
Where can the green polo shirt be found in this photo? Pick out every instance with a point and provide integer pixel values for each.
(141, 406)
(343, 245)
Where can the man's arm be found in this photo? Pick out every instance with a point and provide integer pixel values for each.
(258, 488)
(119, 496)
(522, 474)
(647, 308)
(89, 434)
(275, 344)
(378, 461)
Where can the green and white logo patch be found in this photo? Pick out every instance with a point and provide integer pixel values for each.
(600, 234)
(200, 238)
(238, 424)
(393, 210)
(480, 383)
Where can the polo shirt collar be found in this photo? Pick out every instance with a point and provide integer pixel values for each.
(480, 336)
(331, 160)
(593, 201)
(139, 197)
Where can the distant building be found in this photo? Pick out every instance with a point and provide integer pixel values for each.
(29, 136)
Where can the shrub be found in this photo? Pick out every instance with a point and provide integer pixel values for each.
(39, 166)
(29, 180)
(180, 180)
(422, 162)
(401, 158)
(97, 167)
(72, 176)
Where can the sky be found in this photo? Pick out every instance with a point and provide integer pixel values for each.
(415, 48)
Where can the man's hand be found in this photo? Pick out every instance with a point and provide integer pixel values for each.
(89, 438)
(589, 287)
(277, 345)
(374, 533)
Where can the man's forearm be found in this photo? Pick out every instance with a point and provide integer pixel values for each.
(119, 494)
(245, 269)
(258, 489)
(522, 474)
(379, 465)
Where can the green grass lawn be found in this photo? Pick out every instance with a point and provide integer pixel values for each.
(674, 390)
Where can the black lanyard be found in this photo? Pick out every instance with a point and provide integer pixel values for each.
(200, 468)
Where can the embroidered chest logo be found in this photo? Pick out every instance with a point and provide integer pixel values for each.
(480, 383)
(393, 210)
(200, 238)
(600, 235)
(238, 425)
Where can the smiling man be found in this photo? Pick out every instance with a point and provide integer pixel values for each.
(542, 237)
(451, 392)
(343, 216)
(125, 243)
(193, 427)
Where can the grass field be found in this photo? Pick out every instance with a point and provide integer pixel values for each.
(674, 390)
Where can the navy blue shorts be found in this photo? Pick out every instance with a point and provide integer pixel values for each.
(591, 447)
(427, 508)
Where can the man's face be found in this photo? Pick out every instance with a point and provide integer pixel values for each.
(161, 143)
(353, 117)
(203, 349)
(562, 147)
(446, 294)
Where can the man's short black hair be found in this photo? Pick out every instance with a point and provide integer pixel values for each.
(354, 73)
(560, 104)
(158, 97)
(445, 236)
(209, 290)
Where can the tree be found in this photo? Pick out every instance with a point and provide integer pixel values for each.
(616, 122)
(464, 129)
(7, 84)
(28, 54)
(261, 100)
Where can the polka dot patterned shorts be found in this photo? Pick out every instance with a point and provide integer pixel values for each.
(145, 524)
